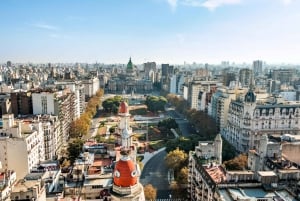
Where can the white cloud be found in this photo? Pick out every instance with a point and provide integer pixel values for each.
(287, 2)
(45, 26)
(173, 4)
(210, 4)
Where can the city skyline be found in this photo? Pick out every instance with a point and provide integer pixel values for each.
(165, 31)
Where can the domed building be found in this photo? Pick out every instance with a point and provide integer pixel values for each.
(129, 79)
(129, 68)
(126, 173)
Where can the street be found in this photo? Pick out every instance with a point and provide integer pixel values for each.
(184, 126)
(155, 172)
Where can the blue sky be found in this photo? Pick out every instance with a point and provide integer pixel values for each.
(165, 31)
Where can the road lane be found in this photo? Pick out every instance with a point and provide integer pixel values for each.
(155, 172)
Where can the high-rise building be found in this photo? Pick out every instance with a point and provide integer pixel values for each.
(21, 103)
(257, 67)
(58, 103)
(8, 64)
(228, 76)
(200, 92)
(246, 77)
(164, 70)
(284, 75)
(149, 66)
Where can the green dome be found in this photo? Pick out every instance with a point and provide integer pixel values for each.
(130, 65)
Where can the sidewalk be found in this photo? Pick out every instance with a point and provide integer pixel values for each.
(148, 155)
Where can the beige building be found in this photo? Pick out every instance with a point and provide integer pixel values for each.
(219, 106)
(21, 145)
(200, 92)
(28, 190)
(209, 153)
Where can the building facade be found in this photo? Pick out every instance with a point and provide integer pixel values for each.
(21, 145)
(249, 118)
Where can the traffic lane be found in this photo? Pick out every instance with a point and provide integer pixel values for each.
(155, 172)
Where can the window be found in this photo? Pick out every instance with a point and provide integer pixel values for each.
(44, 104)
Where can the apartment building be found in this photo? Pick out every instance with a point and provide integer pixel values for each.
(21, 145)
(249, 118)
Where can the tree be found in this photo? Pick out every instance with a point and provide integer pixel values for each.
(150, 192)
(168, 123)
(80, 127)
(176, 159)
(180, 104)
(74, 149)
(228, 151)
(238, 163)
(183, 143)
(182, 176)
(156, 103)
(112, 104)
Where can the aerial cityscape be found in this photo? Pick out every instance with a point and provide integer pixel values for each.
(167, 100)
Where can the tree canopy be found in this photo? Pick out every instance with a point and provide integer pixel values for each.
(180, 104)
(112, 104)
(176, 159)
(156, 103)
(81, 126)
(168, 123)
(182, 177)
(74, 149)
(150, 192)
(237, 163)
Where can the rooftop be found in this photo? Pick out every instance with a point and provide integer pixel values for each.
(217, 173)
(266, 173)
(231, 194)
(24, 185)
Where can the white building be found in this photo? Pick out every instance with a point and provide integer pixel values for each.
(21, 145)
(249, 118)
(91, 86)
(43, 103)
(58, 103)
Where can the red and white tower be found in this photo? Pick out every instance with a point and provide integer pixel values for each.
(124, 127)
(126, 174)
